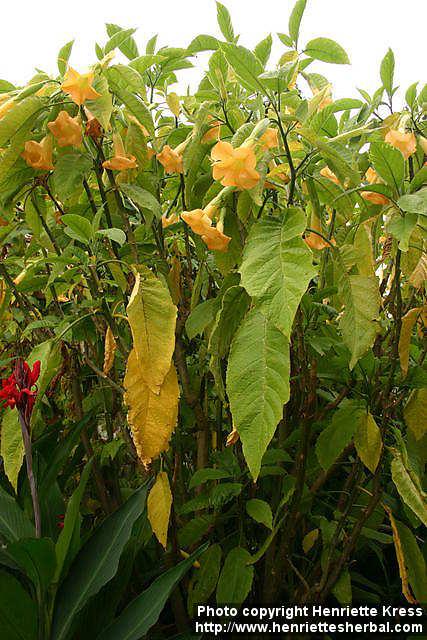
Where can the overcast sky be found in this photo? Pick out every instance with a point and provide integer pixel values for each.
(34, 31)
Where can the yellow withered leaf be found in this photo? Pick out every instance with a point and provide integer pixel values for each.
(408, 322)
(152, 319)
(419, 274)
(159, 504)
(400, 558)
(151, 416)
(109, 351)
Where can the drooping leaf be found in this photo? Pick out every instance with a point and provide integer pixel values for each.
(152, 416)
(260, 511)
(36, 557)
(368, 441)
(309, 540)
(206, 577)
(236, 577)
(358, 322)
(338, 434)
(12, 445)
(257, 384)
(414, 561)
(143, 199)
(70, 169)
(389, 163)
(159, 504)
(277, 267)
(408, 323)
(152, 317)
(95, 564)
(415, 413)
(409, 491)
(19, 118)
(110, 346)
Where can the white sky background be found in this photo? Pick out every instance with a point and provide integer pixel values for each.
(34, 31)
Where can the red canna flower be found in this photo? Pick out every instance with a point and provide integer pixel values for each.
(18, 389)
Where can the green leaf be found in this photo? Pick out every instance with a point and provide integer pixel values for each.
(95, 564)
(206, 578)
(14, 524)
(143, 199)
(295, 19)
(63, 543)
(135, 105)
(36, 557)
(102, 107)
(358, 322)
(368, 441)
(260, 511)
(12, 446)
(415, 412)
(204, 475)
(387, 71)
(143, 612)
(203, 43)
(389, 163)
(70, 170)
(78, 227)
(236, 577)
(127, 46)
(64, 56)
(224, 22)
(18, 613)
(277, 267)
(257, 384)
(118, 39)
(401, 227)
(263, 50)
(20, 116)
(338, 434)
(287, 40)
(201, 317)
(414, 202)
(409, 491)
(116, 235)
(245, 64)
(326, 50)
(235, 304)
(49, 354)
(414, 561)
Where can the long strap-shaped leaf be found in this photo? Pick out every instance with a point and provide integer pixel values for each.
(14, 524)
(96, 563)
(143, 612)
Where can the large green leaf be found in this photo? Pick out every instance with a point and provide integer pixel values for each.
(414, 202)
(78, 227)
(14, 524)
(12, 445)
(206, 578)
(236, 577)
(389, 163)
(143, 612)
(409, 490)
(338, 434)
(358, 323)
(36, 557)
(143, 199)
(127, 45)
(19, 117)
(245, 64)
(277, 267)
(368, 441)
(135, 105)
(326, 50)
(63, 56)
(257, 384)
(18, 613)
(96, 563)
(70, 169)
(387, 71)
